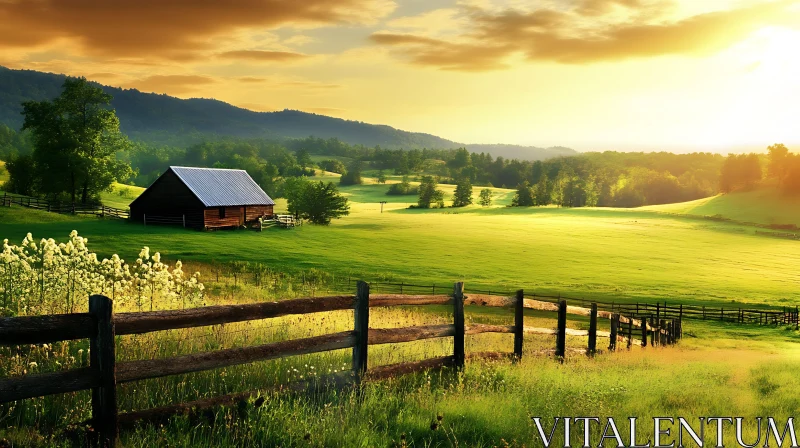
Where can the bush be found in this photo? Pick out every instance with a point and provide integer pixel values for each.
(404, 188)
(334, 166)
(352, 176)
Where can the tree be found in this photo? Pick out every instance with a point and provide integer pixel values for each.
(317, 202)
(381, 177)
(303, 158)
(463, 194)
(524, 196)
(740, 172)
(778, 166)
(22, 175)
(428, 194)
(541, 192)
(353, 175)
(76, 138)
(485, 197)
(334, 166)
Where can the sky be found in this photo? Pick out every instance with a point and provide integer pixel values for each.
(676, 75)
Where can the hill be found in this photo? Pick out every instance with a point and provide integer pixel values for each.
(164, 119)
(762, 206)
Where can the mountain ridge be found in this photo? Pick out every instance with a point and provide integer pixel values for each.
(163, 119)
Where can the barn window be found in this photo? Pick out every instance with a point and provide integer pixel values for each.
(222, 213)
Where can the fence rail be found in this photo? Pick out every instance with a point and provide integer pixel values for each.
(101, 327)
(9, 199)
(766, 316)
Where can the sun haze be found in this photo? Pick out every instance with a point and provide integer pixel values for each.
(678, 75)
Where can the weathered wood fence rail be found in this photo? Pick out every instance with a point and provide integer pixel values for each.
(771, 315)
(100, 325)
(64, 208)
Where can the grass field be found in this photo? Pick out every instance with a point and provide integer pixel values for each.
(120, 195)
(762, 206)
(616, 254)
(641, 254)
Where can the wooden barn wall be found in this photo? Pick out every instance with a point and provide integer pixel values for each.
(233, 217)
(254, 211)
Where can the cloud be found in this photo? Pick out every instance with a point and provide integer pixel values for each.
(299, 40)
(284, 83)
(592, 31)
(171, 84)
(178, 30)
(263, 56)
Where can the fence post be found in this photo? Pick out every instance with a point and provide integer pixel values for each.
(630, 332)
(680, 312)
(592, 331)
(144, 217)
(661, 332)
(458, 319)
(612, 343)
(519, 324)
(102, 358)
(658, 311)
(652, 332)
(704, 312)
(561, 333)
(184, 221)
(361, 328)
(644, 331)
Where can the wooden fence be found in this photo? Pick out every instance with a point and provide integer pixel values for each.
(65, 208)
(100, 325)
(769, 315)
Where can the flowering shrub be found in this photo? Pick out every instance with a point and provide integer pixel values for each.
(50, 277)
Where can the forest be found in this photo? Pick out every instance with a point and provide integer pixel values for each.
(619, 179)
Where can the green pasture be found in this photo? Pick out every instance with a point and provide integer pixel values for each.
(762, 206)
(618, 254)
(121, 195)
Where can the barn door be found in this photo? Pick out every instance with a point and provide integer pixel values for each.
(242, 215)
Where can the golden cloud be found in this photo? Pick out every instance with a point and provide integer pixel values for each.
(263, 56)
(570, 37)
(172, 29)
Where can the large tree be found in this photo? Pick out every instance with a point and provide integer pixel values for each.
(524, 196)
(317, 202)
(76, 138)
(779, 161)
(428, 194)
(463, 194)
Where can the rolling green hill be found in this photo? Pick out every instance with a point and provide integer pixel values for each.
(164, 119)
(762, 206)
(618, 254)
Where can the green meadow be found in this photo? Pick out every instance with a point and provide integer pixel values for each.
(653, 253)
(617, 254)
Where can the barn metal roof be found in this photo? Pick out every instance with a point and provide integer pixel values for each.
(217, 187)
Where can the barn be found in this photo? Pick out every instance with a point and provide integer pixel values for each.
(202, 198)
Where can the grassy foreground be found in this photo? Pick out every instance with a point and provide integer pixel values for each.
(717, 370)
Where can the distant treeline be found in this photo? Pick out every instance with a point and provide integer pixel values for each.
(620, 179)
(779, 167)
